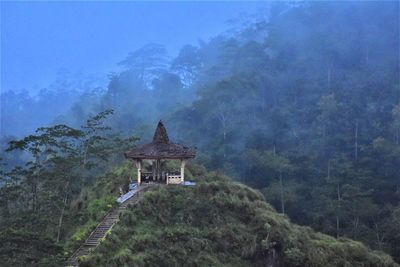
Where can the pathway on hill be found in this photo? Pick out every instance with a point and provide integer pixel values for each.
(105, 225)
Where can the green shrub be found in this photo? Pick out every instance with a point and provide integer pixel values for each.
(98, 208)
(294, 257)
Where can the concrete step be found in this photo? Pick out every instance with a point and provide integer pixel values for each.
(97, 233)
(101, 230)
(94, 243)
(105, 228)
(107, 223)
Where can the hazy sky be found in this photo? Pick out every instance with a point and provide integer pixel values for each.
(40, 38)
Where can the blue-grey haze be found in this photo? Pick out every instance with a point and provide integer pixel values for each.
(41, 39)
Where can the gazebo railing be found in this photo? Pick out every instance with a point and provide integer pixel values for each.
(172, 177)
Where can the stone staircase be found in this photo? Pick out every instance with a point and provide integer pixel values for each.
(104, 226)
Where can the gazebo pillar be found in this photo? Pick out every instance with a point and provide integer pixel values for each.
(158, 164)
(139, 171)
(153, 169)
(183, 163)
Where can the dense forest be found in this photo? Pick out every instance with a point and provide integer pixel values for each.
(302, 103)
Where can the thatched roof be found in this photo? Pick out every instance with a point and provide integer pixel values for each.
(161, 148)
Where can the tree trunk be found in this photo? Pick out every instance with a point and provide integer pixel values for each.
(338, 210)
(60, 219)
(379, 237)
(282, 200)
(355, 226)
(223, 119)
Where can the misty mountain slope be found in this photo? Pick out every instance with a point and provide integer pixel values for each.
(220, 223)
(303, 105)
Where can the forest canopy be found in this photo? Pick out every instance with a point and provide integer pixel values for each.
(302, 104)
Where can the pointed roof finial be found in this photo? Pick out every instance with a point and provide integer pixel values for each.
(160, 135)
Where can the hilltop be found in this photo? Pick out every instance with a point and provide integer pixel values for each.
(219, 222)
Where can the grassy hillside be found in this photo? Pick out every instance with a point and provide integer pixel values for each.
(220, 223)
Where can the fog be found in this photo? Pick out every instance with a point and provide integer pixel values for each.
(39, 38)
(72, 47)
(297, 99)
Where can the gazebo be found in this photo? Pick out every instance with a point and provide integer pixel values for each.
(160, 149)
